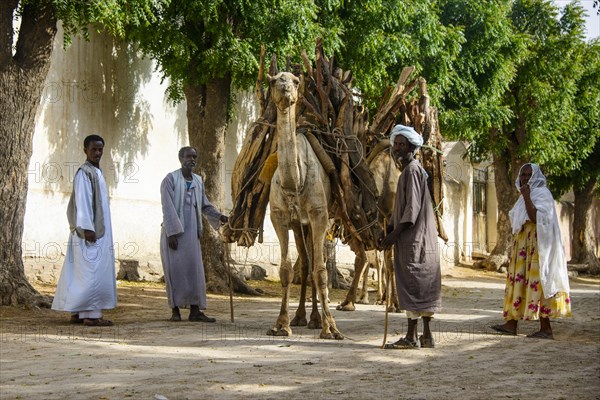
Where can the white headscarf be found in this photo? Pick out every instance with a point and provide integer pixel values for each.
(552, 260)
(409, 133)
(518, 214)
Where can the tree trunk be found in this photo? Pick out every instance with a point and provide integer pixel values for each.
(21, 81)
(207, 122)
(507, 196)
(582, 244)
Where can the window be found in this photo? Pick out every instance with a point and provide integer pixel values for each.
(480, 191)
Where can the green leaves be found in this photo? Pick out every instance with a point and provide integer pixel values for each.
(112, 15)
(194, 41)
(544, 93)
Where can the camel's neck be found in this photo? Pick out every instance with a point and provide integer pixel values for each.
(287, 150)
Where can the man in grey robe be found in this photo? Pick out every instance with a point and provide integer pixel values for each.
(87, 283)
(184, 201)
(413, 234)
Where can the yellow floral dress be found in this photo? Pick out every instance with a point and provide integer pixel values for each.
(523, 296)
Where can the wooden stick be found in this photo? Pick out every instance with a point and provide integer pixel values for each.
(388, 291)
(387, 306)
(258, 86)
(228, 259)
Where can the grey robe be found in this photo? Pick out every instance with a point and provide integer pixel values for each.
(183, 268)
(416, 255)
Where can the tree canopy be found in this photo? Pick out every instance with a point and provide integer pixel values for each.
(377, 39)
(586, 125)
(195, 41)
(489, 64)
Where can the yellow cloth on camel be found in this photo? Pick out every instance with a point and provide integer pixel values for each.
(268, 170)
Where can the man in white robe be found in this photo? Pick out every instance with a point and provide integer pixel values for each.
(87, 283)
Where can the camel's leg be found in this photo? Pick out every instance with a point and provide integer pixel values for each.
(359, 264)
(318, 219)
(300, 317)
(297, 272)
(372, 261)
(315, 316)
(286, 274)
(364, 290)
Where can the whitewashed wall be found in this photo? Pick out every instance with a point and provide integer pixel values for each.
(457, 186)
(105, 88)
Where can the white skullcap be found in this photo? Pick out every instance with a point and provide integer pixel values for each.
(409, 133)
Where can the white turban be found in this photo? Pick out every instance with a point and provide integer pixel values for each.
(409, 133)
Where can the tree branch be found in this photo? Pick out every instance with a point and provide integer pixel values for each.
(36, 36)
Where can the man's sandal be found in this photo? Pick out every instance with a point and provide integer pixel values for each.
(175, 315)
(97, 322)
(427, 343)
(201, 318)
(403, 343)
(75, 319)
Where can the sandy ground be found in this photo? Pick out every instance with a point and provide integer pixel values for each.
(144, 356)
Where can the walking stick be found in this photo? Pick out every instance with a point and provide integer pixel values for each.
(228, 261)
(388, 291)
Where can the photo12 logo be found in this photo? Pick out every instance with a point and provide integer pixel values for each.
(40, 333)
(87, 91)
(53, 252)
(55, 173)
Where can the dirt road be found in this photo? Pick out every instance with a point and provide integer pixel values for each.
(144, 356)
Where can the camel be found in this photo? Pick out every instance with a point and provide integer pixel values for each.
(386, 173)
(373, 261)
(299, 200)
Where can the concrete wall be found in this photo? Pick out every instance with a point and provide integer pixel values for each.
(458, 208)
(102, 87)
(456, 200)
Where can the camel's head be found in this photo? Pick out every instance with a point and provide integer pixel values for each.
(284, 89)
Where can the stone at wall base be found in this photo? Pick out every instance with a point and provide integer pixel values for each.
(128, 270)
(39, 270)
(251, 272)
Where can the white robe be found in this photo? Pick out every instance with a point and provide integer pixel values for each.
(553, 263)
(87, 280)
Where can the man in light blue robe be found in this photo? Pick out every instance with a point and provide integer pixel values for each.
(184, 202)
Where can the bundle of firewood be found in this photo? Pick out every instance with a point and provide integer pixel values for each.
(326, 111)
(408, 104)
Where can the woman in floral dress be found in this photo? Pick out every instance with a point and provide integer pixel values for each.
(537, 283)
